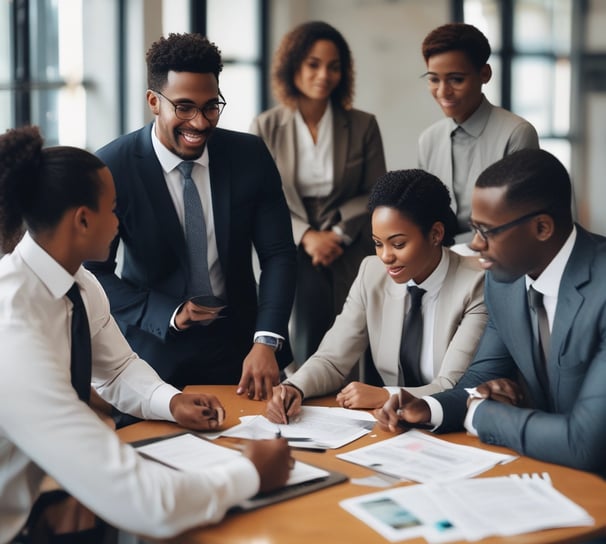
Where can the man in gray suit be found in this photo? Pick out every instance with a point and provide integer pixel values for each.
(527, 241)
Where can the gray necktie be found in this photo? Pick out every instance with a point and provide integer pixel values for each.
(541, 334)
(195, 235)
(412, 339)
(540, 323)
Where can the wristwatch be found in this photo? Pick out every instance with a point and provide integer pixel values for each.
(271, 341)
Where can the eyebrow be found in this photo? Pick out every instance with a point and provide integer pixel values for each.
(392, 236)
(448, 74)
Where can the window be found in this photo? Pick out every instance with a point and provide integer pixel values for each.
(41, 68)
(241, 45)
(531, 42)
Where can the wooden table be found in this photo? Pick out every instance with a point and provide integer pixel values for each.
(318, 518)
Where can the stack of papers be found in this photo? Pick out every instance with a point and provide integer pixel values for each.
(423, 458)
(315, 427)
(467, 509)
(192, 454)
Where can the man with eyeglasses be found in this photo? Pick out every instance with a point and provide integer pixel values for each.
(193, 200)
(474, 133)
(536, 384)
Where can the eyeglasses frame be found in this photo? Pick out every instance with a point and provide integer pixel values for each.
(486, 233)
(221, 103)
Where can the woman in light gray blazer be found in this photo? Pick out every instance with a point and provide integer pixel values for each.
(329, 156)
(412, 225)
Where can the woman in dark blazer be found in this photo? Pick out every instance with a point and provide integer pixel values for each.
(329, 155)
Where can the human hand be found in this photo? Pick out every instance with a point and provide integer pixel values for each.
(260, 373)
(191, 314)
(362, 395)
(502, 390)
(323, 247)
(196, 411)
(403, 407)
(284, 404)
(272, 460)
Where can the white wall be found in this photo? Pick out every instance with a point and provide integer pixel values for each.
(385, 38)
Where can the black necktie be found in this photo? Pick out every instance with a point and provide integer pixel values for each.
(412, 338)
(81, 358)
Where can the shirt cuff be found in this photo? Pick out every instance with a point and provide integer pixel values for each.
(392, 389)
(468, 422)
(159, 403)
(243, 471)
(346, 240)
(173, 323)
(437, 413)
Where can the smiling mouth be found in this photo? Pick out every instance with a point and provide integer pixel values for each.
(194, 138)
(395, 270)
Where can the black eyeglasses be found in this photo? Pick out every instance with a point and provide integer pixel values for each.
(187, 112)
(486, 233)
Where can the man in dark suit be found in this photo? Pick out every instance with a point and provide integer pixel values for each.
(527, 241)
(242, 204)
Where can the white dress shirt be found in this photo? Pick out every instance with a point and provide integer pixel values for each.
(45, 428)
(315, 170)
(432, 286)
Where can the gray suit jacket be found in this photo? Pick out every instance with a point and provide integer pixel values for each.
(567, 424)
(358, 162)
(374, 313)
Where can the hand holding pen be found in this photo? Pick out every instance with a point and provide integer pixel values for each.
(285, 404)
(404, 410)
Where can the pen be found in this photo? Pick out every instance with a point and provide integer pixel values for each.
(283, 398)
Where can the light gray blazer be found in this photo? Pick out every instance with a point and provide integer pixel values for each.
(358, 162)
(373, 315)
(503, 133)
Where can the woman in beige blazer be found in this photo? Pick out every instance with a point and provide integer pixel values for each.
(329, 156)
(412, 223)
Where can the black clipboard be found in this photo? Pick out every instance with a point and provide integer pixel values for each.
(262, 499)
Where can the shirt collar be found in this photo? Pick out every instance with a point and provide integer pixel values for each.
(548, 282)
(168, 160)
(474, 126)
(56, 279)
(433, 283)
(324, 125)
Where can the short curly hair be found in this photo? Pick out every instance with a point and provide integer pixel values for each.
(457, 37)
(418, 195)
(293, 50)
(181, 53)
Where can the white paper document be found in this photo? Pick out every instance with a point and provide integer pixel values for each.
(192, 454)
(417, 456)
(467, 509)
(315, 427)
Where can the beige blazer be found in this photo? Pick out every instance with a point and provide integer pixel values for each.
(373, 315)
(358, 162)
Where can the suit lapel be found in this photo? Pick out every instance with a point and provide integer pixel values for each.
(286, 161)
(162, 203)
(340, 146)
(220, 186)
(576, 273)
(390, 335)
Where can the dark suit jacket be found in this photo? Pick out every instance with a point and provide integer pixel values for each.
(566, 425)
(249, 208)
